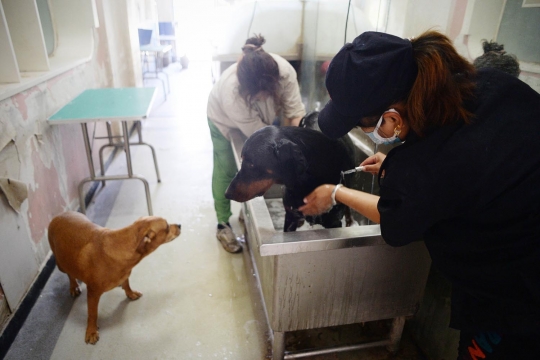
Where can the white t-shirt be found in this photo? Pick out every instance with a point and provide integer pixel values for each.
(228, 110)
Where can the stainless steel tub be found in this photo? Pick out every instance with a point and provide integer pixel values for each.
(318, 278)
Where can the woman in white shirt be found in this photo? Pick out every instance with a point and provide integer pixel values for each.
(260, 88)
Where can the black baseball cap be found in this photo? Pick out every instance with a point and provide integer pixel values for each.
(364, 78)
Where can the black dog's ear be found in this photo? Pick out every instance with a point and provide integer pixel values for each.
(290, 156)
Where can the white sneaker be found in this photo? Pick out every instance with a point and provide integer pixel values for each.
(228, 239)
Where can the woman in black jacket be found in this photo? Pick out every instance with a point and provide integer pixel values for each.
(466, 179)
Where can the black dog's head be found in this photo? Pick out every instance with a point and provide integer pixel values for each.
(267, 158)
(301, 158)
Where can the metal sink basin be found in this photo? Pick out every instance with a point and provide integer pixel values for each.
(327, 277)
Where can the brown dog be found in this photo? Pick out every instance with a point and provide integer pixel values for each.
(103, 258)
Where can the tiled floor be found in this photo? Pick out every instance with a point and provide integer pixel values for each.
(198, 301)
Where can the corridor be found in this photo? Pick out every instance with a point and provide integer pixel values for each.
(199, 302)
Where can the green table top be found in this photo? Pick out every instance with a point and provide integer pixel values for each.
(106, 104)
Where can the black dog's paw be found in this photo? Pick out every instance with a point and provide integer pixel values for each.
(293, 219)
(329, 220)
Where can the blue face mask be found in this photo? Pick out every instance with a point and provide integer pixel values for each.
(378, 139)
(386, 141)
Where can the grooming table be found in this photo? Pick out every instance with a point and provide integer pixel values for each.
(108, 105)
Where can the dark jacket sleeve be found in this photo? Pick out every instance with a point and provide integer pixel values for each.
(421, 185)
(403, 206)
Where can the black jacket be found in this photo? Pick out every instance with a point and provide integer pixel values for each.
(472, 192)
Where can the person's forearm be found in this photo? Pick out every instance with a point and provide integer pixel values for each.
(362, 202)
(294, 121)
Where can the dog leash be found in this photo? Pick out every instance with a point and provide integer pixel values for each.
(352, 171)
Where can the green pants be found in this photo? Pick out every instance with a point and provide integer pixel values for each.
(224, 171)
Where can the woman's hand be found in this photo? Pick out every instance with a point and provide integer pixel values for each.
(373, 163)
(319, 201)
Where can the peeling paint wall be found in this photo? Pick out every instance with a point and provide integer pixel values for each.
(35, 156)
(50, 161)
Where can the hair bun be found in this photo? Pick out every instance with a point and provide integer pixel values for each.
(254, 43)
(492, 46)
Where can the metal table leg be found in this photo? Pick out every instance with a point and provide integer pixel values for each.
(93, 176)
(159, 57)
(111, 143)
(90, 166)
(121, 145)
(138, 124)
(130, 170)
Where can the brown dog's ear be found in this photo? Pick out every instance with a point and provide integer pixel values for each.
(145, 239)
(290, 156)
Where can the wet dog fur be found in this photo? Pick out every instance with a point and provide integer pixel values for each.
(299, 158)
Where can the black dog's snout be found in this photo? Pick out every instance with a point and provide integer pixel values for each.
(229, 193)
(179, 226)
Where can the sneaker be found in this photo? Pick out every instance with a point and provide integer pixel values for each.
(228, 240)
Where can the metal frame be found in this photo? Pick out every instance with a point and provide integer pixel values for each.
(126, 146)
(110, 137)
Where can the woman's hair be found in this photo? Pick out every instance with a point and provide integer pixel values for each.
(444, 83)
(495, 57)
(257, 71)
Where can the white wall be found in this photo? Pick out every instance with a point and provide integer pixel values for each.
(481, 22)
(331, 21)
(403, 18)
(279, 22)
(165, 10)
(423, 15)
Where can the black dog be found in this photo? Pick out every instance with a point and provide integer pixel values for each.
(299, 158)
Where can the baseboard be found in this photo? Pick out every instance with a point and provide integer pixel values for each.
(17, 318)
